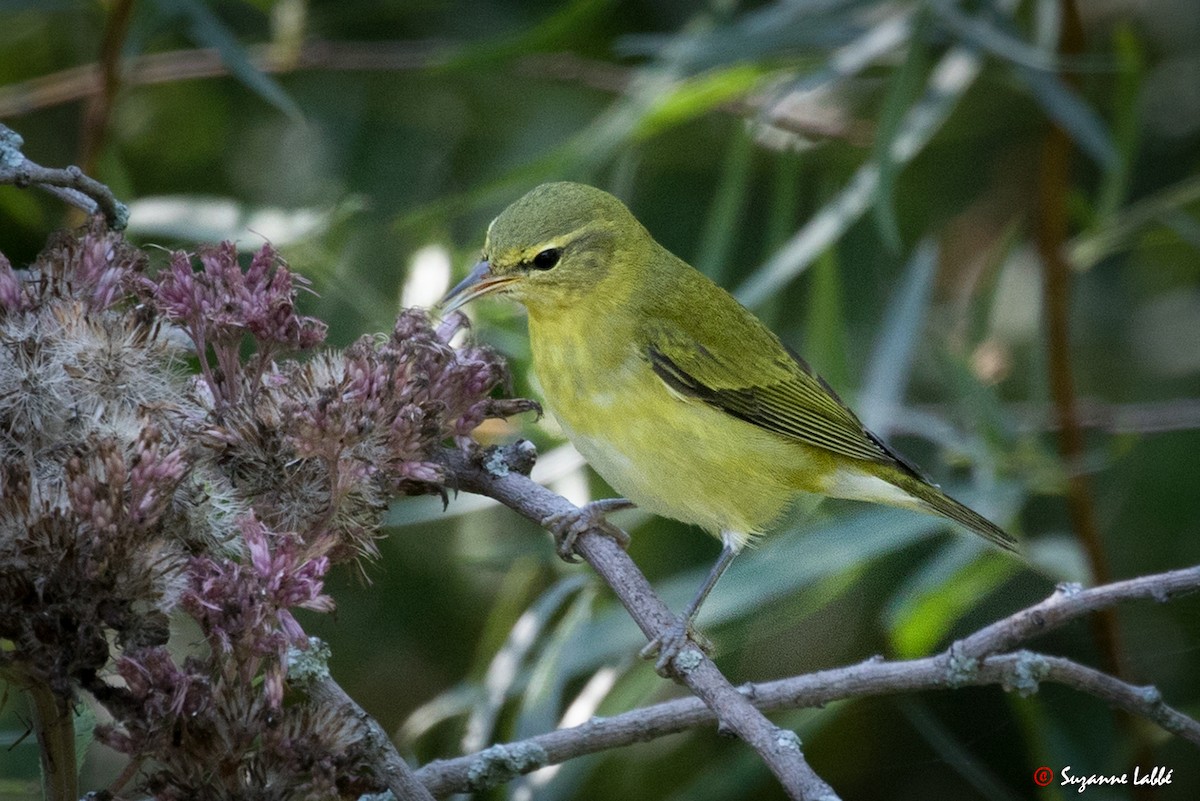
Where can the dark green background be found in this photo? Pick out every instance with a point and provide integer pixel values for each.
(427, 149)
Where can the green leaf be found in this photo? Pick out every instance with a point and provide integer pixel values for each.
(794, 559)
(903, 89)
(542, 700)
(1127, 121)
(573, 20)
(886, 381)
(206, 29)
(1088, 250)
(954, 73)
(952, 584)
(724, 222)
(696, 96)
(825, 322)
(1077, 118)
(507, 666)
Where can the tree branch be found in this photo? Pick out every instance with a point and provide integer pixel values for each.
(971, 661)
(391, 768)
(500, 473)
(68, 184)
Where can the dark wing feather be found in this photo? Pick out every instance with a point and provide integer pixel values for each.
(792, 402)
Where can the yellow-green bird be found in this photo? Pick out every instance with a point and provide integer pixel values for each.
(673, 391)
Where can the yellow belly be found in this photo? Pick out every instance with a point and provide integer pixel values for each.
(673, 456)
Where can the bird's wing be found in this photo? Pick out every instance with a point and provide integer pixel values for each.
(773, 389)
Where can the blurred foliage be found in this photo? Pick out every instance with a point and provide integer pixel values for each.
(864, 174)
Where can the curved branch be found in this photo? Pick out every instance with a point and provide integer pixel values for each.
(68, 184)
(972, 661)
(391, 768)
(500, 473)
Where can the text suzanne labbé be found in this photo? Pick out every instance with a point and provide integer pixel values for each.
(1157, 775)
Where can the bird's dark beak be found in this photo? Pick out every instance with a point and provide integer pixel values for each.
(480, 281)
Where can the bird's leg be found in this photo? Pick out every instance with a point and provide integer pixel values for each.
(567, 526)
(671, 642)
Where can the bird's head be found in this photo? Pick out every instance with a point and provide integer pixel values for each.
(553, 248)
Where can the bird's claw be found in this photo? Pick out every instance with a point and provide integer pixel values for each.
(671, 643)
(567, 526)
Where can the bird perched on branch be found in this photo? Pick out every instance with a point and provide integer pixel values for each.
(674, 392)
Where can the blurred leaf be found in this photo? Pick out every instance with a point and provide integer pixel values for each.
(1087, 250)
(85, 732)
(778, 27)
(995, 36)
(696, 96)
(575, 19)
(825, 322)
(198, 219)
(446, 705)
(991, 422)
(903, 88)
(791, 560)
(1127, 119)
(520, 584)
(886, 379)
(507, 665)
(786, 174)
(542, 700)
(950, 78)
(953, 753)
(950, 585)
(1185, 226)
(1076, 117)
(207, 30)
(10, 6)
(724, 221)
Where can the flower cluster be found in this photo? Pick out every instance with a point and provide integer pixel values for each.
(221, 305)
(131, 492)
(218, 727)
(88, 474)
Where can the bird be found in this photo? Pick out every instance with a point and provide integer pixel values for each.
(675, 393)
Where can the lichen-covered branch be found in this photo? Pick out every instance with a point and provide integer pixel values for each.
(69, 184)
(972, 661)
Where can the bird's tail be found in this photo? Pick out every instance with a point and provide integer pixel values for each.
(931, 499)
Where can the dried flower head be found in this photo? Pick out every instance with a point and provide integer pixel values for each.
(131, 492)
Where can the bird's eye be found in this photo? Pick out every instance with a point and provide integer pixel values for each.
(547, 259)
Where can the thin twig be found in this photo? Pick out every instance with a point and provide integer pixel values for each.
(86, 81)
(972, 661)
(98, 111)
(68, 184)
(500, 474)
(1051, 232)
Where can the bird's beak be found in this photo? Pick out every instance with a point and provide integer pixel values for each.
(479, 281)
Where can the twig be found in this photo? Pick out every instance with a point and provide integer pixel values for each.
(98, 111)
(391, 768)
(1056, 272)
(972, 661)
(85, 82)
(69, 183)
(54, 723)
(500, 474)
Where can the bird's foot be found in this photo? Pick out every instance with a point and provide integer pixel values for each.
(673, 642)
(567, 526)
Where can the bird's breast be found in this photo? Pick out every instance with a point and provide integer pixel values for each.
(673, 456)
